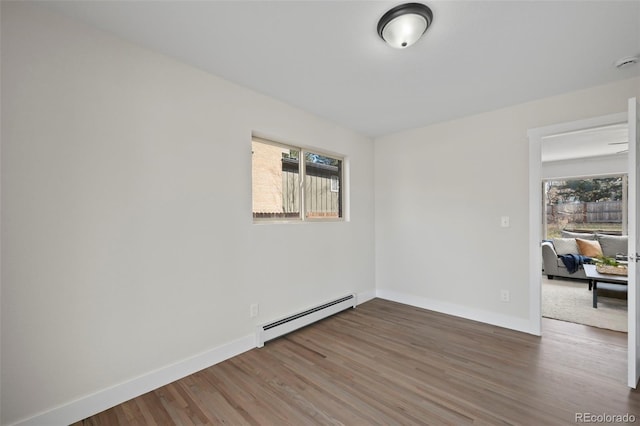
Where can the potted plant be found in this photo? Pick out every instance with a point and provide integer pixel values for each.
(609, 265)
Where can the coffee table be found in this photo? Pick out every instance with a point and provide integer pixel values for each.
(604, 282)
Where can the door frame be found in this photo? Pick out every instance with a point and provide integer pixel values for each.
(535, 203)
(633, 340)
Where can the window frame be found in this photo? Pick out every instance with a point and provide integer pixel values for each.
(302, 192)
(335, 184)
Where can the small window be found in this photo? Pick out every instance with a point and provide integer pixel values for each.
(285, 189)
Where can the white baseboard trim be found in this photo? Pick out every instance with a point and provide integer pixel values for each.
(92, 404)
(500, 320)
(365, 296)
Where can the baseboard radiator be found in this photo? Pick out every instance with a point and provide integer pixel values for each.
(286, 325)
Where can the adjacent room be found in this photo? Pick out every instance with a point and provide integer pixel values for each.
(585, 200)
(304, 212)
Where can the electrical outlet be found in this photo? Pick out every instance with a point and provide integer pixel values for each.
(254, 310)
(505, 222)
(504, 296)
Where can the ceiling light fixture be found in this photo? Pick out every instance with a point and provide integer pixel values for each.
(403, 25)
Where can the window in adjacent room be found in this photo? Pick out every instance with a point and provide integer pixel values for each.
(590, 204)
(284, 188)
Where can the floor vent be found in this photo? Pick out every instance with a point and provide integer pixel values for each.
(286, 325)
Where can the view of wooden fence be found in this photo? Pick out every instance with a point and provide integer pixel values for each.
(586, 212)
(322, 186)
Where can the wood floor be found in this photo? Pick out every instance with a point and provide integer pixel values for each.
(391, 364)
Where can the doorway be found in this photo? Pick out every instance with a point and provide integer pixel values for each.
(536, 138)
(584, 193)
(632, 117)
(584, 174)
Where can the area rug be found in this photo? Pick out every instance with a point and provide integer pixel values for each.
(573, 302)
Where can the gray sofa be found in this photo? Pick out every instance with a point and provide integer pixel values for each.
(612, 246)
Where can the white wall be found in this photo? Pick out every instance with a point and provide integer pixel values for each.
(440, 193)
(127, 236)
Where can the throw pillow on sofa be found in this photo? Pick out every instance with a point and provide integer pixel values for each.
(583, 235)
(565, 246)
(613, 244)
(589, 248)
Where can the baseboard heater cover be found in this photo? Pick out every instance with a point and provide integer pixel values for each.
(293, 322)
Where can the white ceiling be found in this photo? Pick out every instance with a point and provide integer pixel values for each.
(587, 143)
(326, 57)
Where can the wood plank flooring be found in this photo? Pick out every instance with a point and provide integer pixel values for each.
(385, 363)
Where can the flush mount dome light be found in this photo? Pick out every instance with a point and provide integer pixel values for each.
(404, 25)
